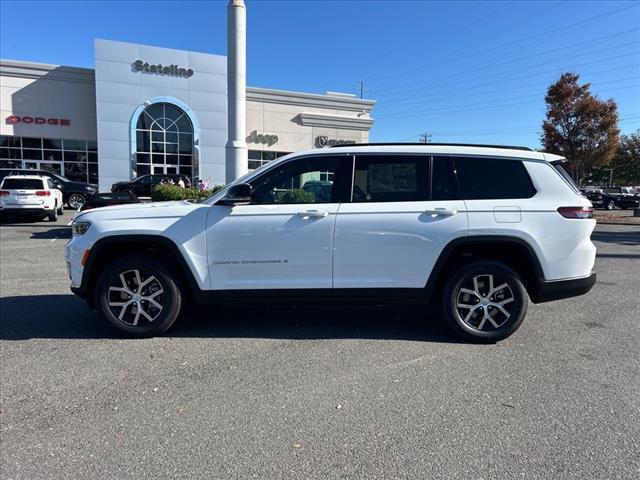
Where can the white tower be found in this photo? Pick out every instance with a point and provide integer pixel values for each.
(236, 148)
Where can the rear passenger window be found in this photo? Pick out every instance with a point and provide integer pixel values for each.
(442, 181)
(390, 178)
(483, 178)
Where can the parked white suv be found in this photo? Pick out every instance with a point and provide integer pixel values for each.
(30, 195)
(477, 230)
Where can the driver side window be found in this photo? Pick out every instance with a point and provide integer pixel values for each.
(306, 180)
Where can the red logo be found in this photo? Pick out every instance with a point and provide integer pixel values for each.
(13, 119)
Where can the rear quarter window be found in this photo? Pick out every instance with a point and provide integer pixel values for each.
(482, 178)
(22, 184)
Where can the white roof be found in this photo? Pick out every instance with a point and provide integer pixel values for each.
(440, 150)
(27, 177)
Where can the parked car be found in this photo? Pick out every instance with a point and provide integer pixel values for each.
(109, 199)
(595, 195)
(31, 195)
(143, 185)
(620, 197)
(479, 230)
(74, 193)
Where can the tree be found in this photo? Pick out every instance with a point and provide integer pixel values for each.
(626, 163)
(579, 126)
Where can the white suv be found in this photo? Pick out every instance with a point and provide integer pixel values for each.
(30, 195)
(478, 230)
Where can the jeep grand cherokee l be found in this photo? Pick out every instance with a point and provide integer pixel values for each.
(477, 230)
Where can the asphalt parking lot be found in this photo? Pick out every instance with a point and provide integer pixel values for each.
(315, 392)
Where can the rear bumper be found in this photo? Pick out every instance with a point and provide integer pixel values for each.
(548, 291)
(20, 209)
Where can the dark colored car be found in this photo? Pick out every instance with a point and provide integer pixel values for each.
(143, 185)
(74, 194)
(621, 197)
(107, 199)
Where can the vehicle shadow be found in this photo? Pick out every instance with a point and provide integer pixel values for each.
(630, 238)
(60, 232)
(66, 316)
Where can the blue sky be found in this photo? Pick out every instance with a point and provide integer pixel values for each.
(463, 71)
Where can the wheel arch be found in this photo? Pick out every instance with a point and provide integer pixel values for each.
(514, 252)
(110, 248)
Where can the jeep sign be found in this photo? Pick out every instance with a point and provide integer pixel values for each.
(265, 139)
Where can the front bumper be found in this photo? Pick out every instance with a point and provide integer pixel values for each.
(548, 291)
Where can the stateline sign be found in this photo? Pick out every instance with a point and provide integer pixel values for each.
(171, 70)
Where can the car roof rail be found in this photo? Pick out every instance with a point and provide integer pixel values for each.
(388, 144)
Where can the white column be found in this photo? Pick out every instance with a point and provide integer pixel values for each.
(236, 148)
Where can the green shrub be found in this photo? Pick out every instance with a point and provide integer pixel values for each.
(167, 192)
(297, 195)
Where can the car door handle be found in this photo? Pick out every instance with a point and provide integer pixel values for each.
(313, 214)
(444, 212)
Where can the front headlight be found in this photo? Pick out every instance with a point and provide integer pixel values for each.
(79, 228)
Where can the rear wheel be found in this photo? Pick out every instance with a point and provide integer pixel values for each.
(485, 302)
(53, 215)
(138, 296)
(76, 201)
(610, 205)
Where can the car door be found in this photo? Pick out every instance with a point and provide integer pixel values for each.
(284, 238)
(403, 211)
(142, 186)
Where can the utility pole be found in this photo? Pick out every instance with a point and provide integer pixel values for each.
(236, 148)
(425, 137)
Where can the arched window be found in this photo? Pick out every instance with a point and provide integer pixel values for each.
(164, 141)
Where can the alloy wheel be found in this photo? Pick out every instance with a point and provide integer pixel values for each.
(484, 306)
(136, 298)
(76, 201)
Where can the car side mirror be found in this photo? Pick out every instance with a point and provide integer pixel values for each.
(240, 194)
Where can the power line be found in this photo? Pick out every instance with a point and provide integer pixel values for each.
(546, 36)
(491, 102)
(493, 65)
(521, 68)
(480, 107)
(447, 94)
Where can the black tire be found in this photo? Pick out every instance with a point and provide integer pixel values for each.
(484, 323)
(60, 210)
(53, 215)
(76, 201)
(610, 205)
(170, 298)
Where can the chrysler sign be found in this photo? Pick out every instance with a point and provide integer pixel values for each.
(13, 119)
(172, 70)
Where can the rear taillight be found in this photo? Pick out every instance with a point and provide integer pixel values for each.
(576, 212)
(43, 193)
(4, 193)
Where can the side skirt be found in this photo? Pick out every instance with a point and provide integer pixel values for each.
(316, 296)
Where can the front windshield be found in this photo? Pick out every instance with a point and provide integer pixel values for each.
(58, 177)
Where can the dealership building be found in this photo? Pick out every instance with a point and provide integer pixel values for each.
(156, 110)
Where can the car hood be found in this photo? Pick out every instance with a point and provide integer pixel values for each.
(139, 211)
(79, 185)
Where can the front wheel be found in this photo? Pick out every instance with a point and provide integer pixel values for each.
(485, 302)
(610, 205)
(76, 201)
(138, 296)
